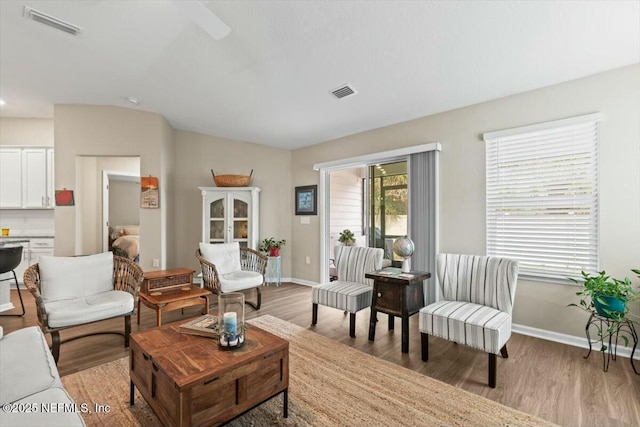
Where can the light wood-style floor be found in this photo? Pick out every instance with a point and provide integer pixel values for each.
(543, 378)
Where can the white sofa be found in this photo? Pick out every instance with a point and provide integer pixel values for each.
(30, 384)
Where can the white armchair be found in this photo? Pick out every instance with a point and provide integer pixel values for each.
(73, 291)
(229, 267)
(478, 294)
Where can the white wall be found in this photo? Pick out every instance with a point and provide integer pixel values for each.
(542, 305)
(124, 202)
(346, 203)
(82, 130)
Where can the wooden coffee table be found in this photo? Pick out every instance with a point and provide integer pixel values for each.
(188, 380)
(174, 299)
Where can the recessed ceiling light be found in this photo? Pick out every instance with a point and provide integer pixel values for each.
(2, 102)
(133, 100)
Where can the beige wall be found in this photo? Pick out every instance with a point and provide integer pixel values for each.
(462, 179)
(196, 155)
(113, 131)
(29, 132)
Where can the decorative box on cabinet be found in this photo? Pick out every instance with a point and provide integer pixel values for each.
(164, 280)
(230, 214)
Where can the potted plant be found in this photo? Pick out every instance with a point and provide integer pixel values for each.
(347, 238)
(607, 297)
(272, 246)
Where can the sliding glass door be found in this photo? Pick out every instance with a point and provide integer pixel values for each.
(388, 205)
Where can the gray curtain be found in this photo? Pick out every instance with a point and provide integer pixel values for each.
(423, 211)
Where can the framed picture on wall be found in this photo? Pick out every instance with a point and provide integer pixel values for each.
(150, 193)
(307, 200)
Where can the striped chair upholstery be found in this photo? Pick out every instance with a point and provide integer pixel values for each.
(478, 294)
(351, 292)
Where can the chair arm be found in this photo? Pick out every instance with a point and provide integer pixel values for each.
(127, 276)
(210, 278)
(252, 260)
(31, 280)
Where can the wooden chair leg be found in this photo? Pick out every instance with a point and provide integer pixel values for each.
(314, 315)
(424, 341)
(492, 370)
(127, 330)
(55, 345)
(352, 325)
(503, 352)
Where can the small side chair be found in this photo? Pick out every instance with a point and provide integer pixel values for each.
(478, 294)
(351, 291)
(74, 291)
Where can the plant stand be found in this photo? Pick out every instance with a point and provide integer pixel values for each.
(602, 324)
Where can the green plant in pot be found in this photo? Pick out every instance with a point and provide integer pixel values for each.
(607, 297)
(272, 246)
(347, 238)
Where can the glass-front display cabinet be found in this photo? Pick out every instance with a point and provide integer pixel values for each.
(230, 214)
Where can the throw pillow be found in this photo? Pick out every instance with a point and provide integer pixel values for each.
(225, 256)
(75, 277)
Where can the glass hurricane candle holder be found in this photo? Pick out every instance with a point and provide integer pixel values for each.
(231, 319)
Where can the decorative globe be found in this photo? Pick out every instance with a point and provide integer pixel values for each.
(404, 247)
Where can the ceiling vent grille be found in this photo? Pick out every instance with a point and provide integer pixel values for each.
(56, 23)
(344, 91)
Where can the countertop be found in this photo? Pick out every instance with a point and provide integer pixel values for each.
(5, 241)
(26, 236)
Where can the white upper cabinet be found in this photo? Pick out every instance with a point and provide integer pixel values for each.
(26, 178)
(230, 214)
(10, 177)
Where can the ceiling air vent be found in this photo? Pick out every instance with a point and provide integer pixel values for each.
(344, 91)
(56, 23)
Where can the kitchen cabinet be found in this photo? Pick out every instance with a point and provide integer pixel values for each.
(32, 250)
(10, 177)
(230, 214)
(27, 178)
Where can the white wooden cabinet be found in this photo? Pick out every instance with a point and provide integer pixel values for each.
(10, 177)
(39, 247)
(230, 214)
(26, 178)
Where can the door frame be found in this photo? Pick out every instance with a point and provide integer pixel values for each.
(351, 162)
(107, 176)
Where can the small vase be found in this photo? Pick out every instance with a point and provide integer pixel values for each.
(611, 304)
(274, 252)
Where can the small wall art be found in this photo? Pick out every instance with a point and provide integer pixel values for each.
(64, 197)
(307, 200)
(150, 196)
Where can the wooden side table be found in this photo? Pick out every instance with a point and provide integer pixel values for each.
(187, 296)
(396, 294)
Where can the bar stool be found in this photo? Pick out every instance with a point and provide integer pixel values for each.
(10, 257)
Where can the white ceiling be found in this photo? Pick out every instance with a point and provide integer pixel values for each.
(268, 81)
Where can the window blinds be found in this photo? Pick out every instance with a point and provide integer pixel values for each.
(542, 197)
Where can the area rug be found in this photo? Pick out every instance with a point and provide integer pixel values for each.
(330, 384)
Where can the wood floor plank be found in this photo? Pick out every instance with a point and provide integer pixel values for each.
(547, 379)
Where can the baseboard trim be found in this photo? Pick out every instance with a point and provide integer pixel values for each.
(568, 339)
(300, 281)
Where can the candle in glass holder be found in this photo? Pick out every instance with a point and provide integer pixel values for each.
(230, 322)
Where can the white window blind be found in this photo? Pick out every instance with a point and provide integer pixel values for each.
(542, 197)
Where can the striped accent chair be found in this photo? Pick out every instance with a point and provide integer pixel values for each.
(478, 294)
(351, 292)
